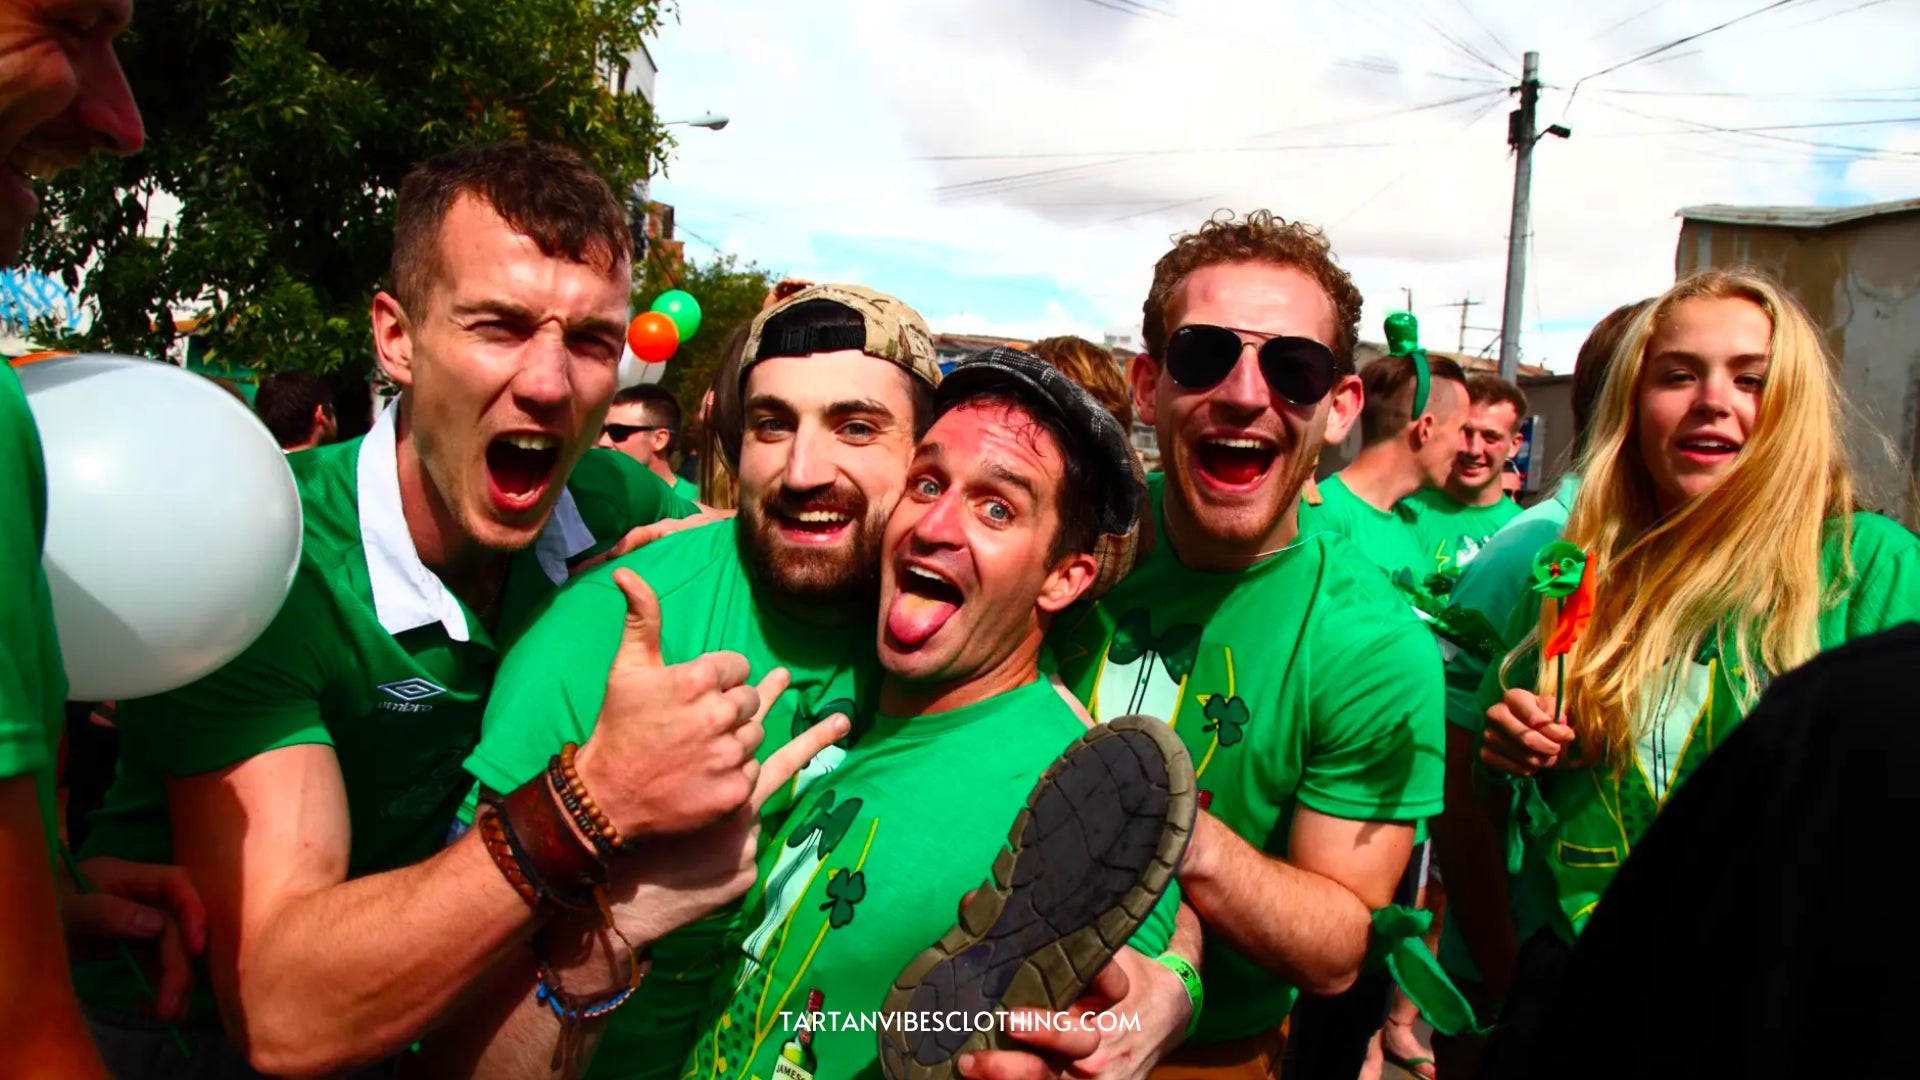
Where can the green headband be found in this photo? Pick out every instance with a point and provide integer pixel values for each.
(1403, 339)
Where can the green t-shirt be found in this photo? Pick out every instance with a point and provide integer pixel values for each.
(1301, 681)
(1450, 532)
(686, 489)
(371, 655)
(1385, 537)
(869, 871)
(550, 689)
(1495, 581)
(1599, 816)
(33, 684)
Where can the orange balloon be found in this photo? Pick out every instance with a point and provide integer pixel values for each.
(652, 336)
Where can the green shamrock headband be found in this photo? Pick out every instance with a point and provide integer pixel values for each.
(1403, 339)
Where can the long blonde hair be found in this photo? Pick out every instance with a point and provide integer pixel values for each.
(1742, 560)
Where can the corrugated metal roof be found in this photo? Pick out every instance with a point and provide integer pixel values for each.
(1796, 217)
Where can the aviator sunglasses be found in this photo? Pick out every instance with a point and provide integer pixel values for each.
(1298, 369)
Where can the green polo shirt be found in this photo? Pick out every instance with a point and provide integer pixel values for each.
(33, 684)
(1450, 533)
(371, 654)
(1301, 681)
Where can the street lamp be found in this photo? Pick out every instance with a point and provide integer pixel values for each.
(712, 121)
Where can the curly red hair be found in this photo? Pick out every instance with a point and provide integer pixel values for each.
(1260, 237)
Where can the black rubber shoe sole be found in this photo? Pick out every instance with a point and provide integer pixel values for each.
(1087, 859)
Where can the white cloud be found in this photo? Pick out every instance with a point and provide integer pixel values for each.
(859, 121)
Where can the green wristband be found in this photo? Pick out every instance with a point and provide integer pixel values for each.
(1190, 977)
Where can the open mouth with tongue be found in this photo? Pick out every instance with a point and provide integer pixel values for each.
(924, 600)
(1235, 462)
(519, 468)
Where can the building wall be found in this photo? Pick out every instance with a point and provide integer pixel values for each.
(1860, 282)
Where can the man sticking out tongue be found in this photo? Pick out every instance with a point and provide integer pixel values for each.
(1020, 500)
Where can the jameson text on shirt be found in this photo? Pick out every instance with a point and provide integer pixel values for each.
(1106, 1023)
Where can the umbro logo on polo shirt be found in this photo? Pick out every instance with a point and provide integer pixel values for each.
(409, 693)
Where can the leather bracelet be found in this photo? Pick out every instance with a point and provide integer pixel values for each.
(1196, 991)
(563, 869)
(493, 835)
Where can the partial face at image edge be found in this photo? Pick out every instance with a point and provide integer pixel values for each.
(62, 96)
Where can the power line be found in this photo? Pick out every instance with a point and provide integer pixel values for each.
(1467, 50)
(1748, 133)
(1835, 97)
(1394, 27)
(1487, 30)
(1675, 43)
(1408, 171)
(1064, 173)
(1702, 129)
(1635, 17)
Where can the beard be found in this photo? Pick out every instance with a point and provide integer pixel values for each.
(846, 575)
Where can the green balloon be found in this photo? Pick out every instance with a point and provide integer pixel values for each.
(680, 306)
(1403, 333)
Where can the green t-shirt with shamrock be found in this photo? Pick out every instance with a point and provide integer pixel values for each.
(869, 871)
(549, 692)
(1302, 681)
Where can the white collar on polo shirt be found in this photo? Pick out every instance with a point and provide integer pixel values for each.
(407, 595)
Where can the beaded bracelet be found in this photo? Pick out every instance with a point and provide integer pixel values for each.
(568, 792)
(551, 999)
(602, 830)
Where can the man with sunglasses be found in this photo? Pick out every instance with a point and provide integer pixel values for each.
(1406, 447)
(1306, 691)
(644, 423)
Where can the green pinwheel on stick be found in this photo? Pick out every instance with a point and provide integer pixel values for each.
(1560, 574)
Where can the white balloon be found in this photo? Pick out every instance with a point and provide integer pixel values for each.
(173, 523)
(633, 371)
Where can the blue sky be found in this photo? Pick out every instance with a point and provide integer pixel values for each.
(1016, 166)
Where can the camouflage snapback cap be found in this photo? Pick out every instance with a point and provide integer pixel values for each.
(890, 330)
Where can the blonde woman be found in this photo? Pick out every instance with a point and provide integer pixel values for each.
(1716, 509)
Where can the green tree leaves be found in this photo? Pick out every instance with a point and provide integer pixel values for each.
(282, 128)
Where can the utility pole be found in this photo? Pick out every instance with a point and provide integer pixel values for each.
(1521, 136)
(1463, 304)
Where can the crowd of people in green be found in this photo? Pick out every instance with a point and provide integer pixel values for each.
(929, 735)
